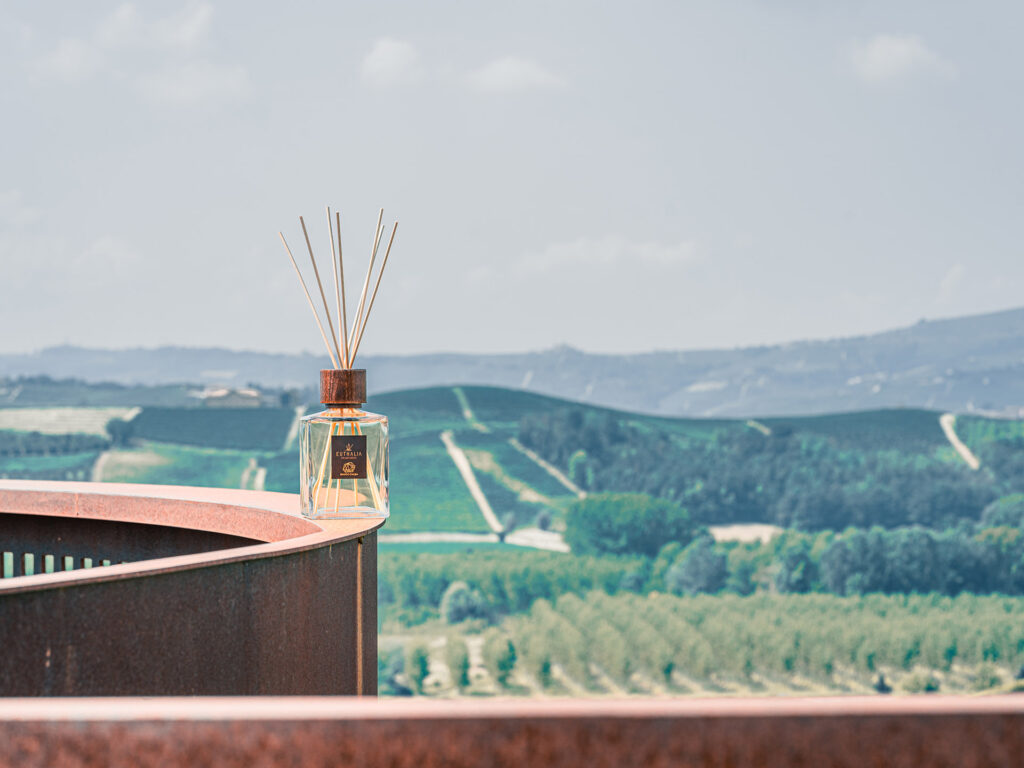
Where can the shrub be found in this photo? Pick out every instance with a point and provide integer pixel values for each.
(459, 603)
(625, 523)
(699, 569)
(1009, 510)
(389, 666)
(457, 657)
(986, 677)
(417, 665)
(921, 682)
(499, 656)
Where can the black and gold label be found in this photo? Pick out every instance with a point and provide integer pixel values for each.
(348, 457)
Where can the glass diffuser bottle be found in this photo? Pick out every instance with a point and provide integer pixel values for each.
(343, 452)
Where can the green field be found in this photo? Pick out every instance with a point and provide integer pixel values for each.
(427, 493)
(165, 464)
(501, 409)
(282, 471)
(253, 429)
(877, 467)
(486, 548)
(412, 412)
(69, 466)
(519, 467)
(906, 429)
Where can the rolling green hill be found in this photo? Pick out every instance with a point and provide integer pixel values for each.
(531, 454)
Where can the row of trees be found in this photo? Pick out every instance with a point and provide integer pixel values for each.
(667, 640)
(984, 557)
(39, 444)
(791, 478)
(402, 671)
(905, 560)
(485, 584)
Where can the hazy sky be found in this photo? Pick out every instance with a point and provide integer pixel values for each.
(617, 177)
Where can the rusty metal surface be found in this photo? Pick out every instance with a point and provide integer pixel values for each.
(368, 608)
(110, 539)
(259, 515)
(273, 618)
(845, 733)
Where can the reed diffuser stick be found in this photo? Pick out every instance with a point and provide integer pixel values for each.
(337, 489)
(310, 300)
(344, 308)
(376, 287)
(374, 491)
(366, 282)
(337, 288)
(323, 467)
(323, 296)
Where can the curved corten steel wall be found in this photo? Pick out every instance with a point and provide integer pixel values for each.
(210, 592)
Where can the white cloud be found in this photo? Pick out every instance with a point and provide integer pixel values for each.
(160, 58)
(121, 28)
(70, 61)
(126, 28)
(511, 73)
(193, 83)
(186, 29)
(391, 62)
(592, 253)
(951, 282)
(896, 58)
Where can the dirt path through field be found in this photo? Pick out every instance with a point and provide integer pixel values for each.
(250, 468)
(96, 475)
(462, 464)
(535, 538)
(762, 428)
(948, 423)
(97, 469)
(551, 469)
(467, 412)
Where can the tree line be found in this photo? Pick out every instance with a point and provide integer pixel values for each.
(39, 444)
(983, 557)
(631, 543)
(792, 478)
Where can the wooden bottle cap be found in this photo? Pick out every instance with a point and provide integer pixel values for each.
(343, 386)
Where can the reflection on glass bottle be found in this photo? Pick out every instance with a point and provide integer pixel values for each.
(343, 452)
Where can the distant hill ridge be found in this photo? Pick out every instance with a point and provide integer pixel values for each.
(968, 364)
